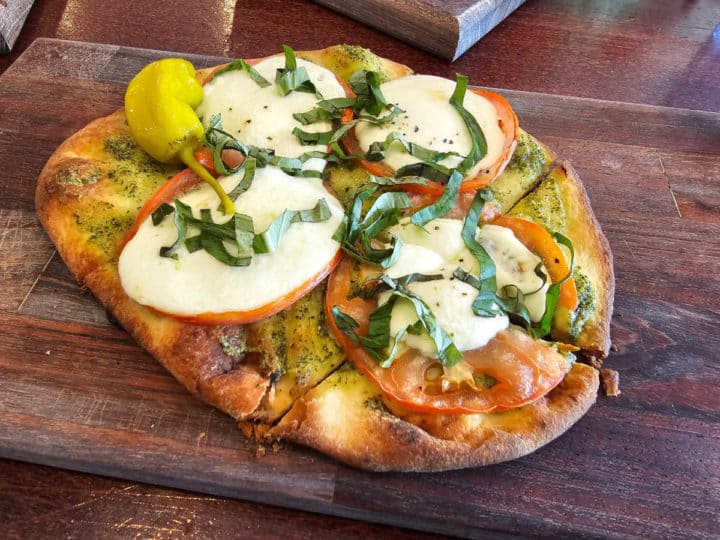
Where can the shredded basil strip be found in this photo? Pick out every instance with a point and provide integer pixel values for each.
(432, 171)
(377, 284)
(292, 78)
(238, 231)
(241, 65)
(377, 150)
(447, 352)
(443, 205)
(478, 149)
(388, 181)
(366, 85)
(381, 120)
(356, 233)
(270, 238)
(159, 214)
(333, 136)
(485, 304)
(218, 140)
(553, 293)
(181, 214)
(345, 323)
(248, 175)
(327, 109)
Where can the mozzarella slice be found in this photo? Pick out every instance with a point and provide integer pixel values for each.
(438, 248)
(260, 116)
(430, 121)
(515, 265)
(197, 283)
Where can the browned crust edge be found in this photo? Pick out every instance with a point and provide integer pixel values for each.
(595, 258)
(379, 441)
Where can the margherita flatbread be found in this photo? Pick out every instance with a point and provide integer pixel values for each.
(380, 265)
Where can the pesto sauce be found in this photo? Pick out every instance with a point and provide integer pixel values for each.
(136, 175)
(133, 176)
(346, 182)
(587, 303)
(301, 340)
(527, 165)
(68, 177)
(529, 159)
(104, 224)
(344, 60)
(233, 342)
(544, 206)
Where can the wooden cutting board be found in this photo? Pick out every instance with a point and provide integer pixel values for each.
(446, 28)
(77, 392)
(12, 17)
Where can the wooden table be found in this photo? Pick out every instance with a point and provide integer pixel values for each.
(628, 91)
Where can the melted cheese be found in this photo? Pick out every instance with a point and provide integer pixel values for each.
(430, 121)
(261, 116)
(197, 283)
(438, 248)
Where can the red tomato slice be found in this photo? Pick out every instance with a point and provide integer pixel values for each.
(167, 193)
(540, 242)
(508, 124)
(523, 368)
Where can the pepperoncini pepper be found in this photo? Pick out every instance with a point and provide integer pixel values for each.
(160, 106)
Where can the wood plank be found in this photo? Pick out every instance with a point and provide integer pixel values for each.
(12, 17)
(76, 392)
(444, 28)
(66, 504)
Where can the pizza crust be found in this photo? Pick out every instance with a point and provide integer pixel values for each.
(345, 418)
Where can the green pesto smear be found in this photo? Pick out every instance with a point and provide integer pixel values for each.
(346, 182)
(104, 223)
(130, 174)
(135, 174)
(296, 342)
(544, 206)
(587, 303)
(68, 177)
(344, 60)
(527, 166)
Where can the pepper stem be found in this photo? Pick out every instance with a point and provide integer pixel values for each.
(188, 158)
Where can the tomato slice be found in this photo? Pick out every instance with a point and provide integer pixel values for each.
(523, 368)
(539, 241)
(508, 122)
(167, 193)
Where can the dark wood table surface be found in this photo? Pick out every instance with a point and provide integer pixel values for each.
(660, 53)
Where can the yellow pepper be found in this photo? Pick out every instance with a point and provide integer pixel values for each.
(160, 109)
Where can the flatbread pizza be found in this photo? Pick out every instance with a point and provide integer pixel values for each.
(340, 253)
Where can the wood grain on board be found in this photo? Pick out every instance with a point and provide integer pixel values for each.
(12, 17)
(76, 392)
(445, 28)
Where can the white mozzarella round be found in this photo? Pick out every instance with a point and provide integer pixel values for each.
(261, 116)
(438, 248)
(430, 121)
(197, 283)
